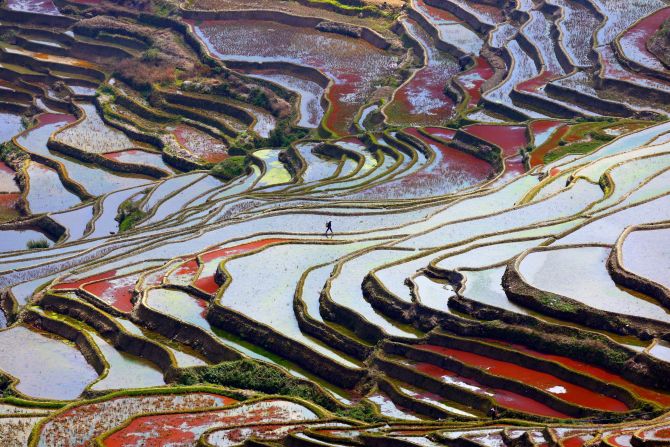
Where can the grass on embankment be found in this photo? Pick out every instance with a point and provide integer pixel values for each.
(251, 375)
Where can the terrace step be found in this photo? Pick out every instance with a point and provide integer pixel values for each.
(471, 366)
(124, 352)
(563, 299)
(610, 396)
(472, 392)
(579, 88)
(425, 402)
(451, 34)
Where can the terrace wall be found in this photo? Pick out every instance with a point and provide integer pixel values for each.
(264, 336)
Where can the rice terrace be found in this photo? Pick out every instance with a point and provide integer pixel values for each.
(340, 223)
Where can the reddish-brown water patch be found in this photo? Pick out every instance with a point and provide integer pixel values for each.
(78, 426)
(509, 138)
(340, 110)
(186, 428)
(542, 129)
(514, 167)
(452, 170)
(440, 16)
(186, 272)
(457, 159)
(554, 385)
(117, 292)
(207, 283)
(535, 84)
(538, 154)
(604, 375)
(54, 118)
(575, 441)
(8, 204)
(59, 59)
(658, 433)
(200, 144)
(473, 79)
(494, 13)
(503, 397)
(634, 41)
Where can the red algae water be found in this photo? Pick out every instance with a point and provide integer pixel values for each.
(502, 397)
(564, 390)
(551, 143)
(509, 138)
(602, 374)
(117, 292)
(473, 79)
(186, 428)
(8, 203)
(634, 41)
(451, 171)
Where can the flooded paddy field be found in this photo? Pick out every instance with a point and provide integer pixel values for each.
(422, 223)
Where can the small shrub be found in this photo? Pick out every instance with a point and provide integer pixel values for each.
(106, 89)
(151, 55)
(283, 135)
(129, 215)
(8, 36)
(163, 8)
(131, 220)
(37, 243)
(10, 151)
(141, 74)
(259, 98)
(230, 168)
(363, 411)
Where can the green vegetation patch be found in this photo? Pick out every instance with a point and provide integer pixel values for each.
(37, 243)
(230, 168)
(283, 135)
(659, 43)
(129, 215)
(362, 411)
(352, 6)
(10, 151)
(251, 375)
(594, 141)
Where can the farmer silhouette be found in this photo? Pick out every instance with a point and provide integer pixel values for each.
(329, 227)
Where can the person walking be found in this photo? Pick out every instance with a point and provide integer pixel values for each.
(329, 227)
